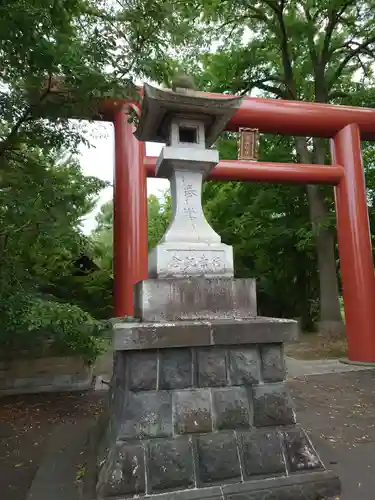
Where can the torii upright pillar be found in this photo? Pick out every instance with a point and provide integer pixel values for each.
(353, 232)
(130, 239)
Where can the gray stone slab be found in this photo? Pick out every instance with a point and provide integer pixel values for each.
(195, 299)
(124, 472)
(53, 384)
(299, 451)
(259, 330)
(142, 370)
(273, 406)
(176, 368)
(218, 458)
(273, 363)
(212, 366)
(128, 336)
(170, 464)
(146, 414)
(313, 486)
(244, 365)
(192, 411)
(230, 408)
(261, 453)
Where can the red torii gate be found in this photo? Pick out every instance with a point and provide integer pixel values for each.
(344, 125)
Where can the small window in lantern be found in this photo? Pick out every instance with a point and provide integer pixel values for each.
(188, 135)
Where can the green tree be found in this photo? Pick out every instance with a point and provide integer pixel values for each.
(319, 51)
(41, 208)
(158, 212)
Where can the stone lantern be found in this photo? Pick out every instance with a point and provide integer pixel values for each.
(198, 407)
(188, 126)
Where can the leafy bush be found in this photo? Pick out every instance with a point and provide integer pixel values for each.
(39, 326)
(92, 292)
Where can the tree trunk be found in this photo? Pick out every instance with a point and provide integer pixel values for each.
(330, 312)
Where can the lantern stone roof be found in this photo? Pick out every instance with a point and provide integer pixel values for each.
(160, 106)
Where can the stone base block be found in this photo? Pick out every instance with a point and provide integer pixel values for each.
(211, 421)
(259, 330)
(179, 260)
(199, 409)
(195, 299)
(256, 465)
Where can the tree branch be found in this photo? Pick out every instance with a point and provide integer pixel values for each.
(25, 116)
(262, 85)
(284, 46)
(337, 94)
(361, 48)
(310, 38)
(332, 22)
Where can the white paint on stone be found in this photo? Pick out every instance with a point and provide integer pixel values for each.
(191, 259)
(189, 224)
(190, 247)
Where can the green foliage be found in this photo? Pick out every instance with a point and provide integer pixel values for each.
(43, 201)
(159, 216)
(56, 60)
(42, 204)
(37, 326)
(102, 237)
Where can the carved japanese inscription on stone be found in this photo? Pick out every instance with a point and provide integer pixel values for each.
(188, 222)
(191, 198)
(196, 262)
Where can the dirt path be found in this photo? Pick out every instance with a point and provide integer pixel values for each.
(26, 422)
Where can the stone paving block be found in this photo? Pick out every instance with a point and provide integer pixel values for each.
(218, 458)
(244, 365)
(192, 411)
(176, 368)
(230, 408)
(272, 406)
(124, 472)
(170, 464)
(147, 414)
(142, 370)
(261, 453)
(212, 367)
(300, 452)
(273, 364)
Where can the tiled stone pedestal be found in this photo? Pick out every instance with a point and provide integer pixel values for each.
(209, 418)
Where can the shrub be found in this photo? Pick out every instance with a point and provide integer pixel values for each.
(39, 326)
